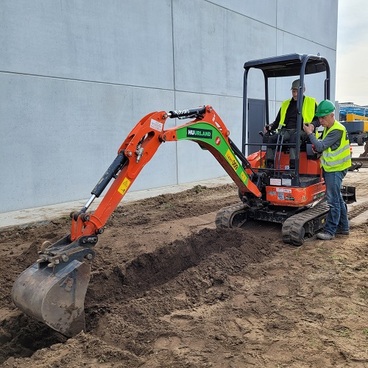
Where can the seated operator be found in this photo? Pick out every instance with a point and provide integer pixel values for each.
(285, 124)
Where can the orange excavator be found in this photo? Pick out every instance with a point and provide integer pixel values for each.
(53, 289)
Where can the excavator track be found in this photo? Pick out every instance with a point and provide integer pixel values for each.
(304, 224)
(232, 216)
(295, 228)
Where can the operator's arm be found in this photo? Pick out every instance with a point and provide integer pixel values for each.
(332, 140)
(273, 126)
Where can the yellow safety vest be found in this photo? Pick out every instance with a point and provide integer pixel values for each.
(308, 110)
(338, 159)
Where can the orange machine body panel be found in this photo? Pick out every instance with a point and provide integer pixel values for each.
(281, 192)
(282, 195)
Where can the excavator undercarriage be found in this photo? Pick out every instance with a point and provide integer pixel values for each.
(297, 224)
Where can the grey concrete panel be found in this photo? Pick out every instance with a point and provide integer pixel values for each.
(126, 42)
(313, 20)
(261, 10)
(288, 43)
(58, 137)
(211, 58)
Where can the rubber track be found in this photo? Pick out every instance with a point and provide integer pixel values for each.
(293, 227)
(224, 218)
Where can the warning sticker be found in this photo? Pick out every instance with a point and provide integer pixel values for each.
(124, 186)
(156, 125)
(284, 190)
(231, 160)
(275, 181)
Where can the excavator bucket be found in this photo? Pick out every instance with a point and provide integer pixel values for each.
(54, 296)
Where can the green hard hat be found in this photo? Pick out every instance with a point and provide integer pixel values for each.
(324, 108)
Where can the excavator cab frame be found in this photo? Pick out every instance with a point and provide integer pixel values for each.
(290, 65)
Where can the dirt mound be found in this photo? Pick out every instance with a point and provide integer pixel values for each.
(168, 289)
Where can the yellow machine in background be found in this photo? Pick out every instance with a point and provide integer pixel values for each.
(350, 117)
(355, 120)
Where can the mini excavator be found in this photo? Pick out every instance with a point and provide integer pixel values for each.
(53, 289)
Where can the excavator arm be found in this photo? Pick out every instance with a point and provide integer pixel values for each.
(207, 129)
(53, 289)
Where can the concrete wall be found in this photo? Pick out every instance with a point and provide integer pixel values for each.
(76, 76)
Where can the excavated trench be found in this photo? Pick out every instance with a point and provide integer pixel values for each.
(193, 264)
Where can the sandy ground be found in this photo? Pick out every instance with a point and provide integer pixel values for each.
(170, 290)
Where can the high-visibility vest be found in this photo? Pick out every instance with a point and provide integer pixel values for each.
(338, 159)
(308, 110)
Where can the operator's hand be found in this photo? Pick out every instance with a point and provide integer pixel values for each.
(308, 128)
(267, 128)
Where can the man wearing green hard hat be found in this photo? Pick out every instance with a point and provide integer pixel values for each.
(334, 146)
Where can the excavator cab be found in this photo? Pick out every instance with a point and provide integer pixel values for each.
(274, 69)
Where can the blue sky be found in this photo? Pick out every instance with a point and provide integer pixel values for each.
(352, 52)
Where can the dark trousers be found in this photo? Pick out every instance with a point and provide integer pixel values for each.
(337, 217)
(287, 136)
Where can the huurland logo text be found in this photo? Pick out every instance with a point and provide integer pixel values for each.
(199, 133)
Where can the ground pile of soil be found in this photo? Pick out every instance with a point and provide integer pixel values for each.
(168, 289)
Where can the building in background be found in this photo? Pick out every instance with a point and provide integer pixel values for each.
(76, 76)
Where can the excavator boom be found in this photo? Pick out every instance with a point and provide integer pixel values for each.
(53, 289)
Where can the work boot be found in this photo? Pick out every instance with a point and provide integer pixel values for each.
(325, 236)
(342, 232)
